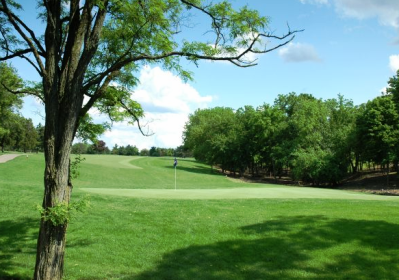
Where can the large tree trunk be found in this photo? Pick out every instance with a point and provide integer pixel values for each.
(62, 86)
(50, 255)
(59, 133)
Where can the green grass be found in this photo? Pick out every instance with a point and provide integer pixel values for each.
(123, 237)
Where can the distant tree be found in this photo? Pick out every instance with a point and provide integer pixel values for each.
(29, 136)
(131, 150)
(154, 152)
(13, 131)
(393, 89)
(144, 152)
(181, 151)
(9, 102)
(378, 131)
(100, 147)
(208, 135)
(80, 148)
(40, 138)
(115, 150)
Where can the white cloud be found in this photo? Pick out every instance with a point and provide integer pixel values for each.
(318, 2)
(161, 91)
(298, 52)
(167, 101)
(394, 62)
(387, 11)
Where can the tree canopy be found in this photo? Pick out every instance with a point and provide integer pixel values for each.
(311, 140)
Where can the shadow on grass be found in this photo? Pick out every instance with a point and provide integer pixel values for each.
(196, 169)
(16, 238)
(302, 247)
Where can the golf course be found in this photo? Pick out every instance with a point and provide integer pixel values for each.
(148, 220)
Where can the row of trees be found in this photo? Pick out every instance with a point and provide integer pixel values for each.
(100, 147)
(317, 141)
(16, 132)
(19, 134)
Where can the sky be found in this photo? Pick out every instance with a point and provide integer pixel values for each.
(348, 47)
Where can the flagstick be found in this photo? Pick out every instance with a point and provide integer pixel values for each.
(175, 177)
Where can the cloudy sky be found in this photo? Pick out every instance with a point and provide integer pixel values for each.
(348, 47)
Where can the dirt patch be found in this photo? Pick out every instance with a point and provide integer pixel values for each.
(374, 182)
(7, 157)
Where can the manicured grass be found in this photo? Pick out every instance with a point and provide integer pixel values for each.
(145, 238)
(100, 171)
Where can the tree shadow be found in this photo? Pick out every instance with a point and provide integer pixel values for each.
(300, 247)
(19, 237)
(198, 169)
(16, 237)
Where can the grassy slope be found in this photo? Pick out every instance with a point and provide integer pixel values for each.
(132, 238)
(149, 173)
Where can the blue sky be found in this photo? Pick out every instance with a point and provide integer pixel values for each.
(348, 47)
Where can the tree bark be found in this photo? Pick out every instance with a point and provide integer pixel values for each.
(50, 251)
(57, 189)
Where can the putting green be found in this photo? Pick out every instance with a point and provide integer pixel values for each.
(240, 193)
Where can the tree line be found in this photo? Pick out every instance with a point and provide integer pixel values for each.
(312, 140)
(100, 147)
(16, 132)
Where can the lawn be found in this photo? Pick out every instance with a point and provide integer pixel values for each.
(288, 233)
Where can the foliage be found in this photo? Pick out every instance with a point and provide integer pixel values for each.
(10, 102)
(309, 137)
(75, 164)
(61, 213)
(378, 130)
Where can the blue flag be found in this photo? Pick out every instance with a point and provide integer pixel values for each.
(175, 163)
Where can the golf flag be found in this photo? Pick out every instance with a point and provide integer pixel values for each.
(175, 164)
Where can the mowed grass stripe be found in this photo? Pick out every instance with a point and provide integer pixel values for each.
(111, 161)
(240, 193)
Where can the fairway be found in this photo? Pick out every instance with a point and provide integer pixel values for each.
(112, 161)
(210, 228)
(278, 192)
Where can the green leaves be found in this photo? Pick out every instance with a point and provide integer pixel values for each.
(61, 213)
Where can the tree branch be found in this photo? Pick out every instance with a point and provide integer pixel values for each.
(133, 115)
(12, 19)
(219, 33)
(98, 94)
(15, 54)
(24, 91)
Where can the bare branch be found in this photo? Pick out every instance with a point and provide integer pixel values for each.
(32, 34)
(98, 94)
(13, 19)
(133, 115)
(23, 91)
(15, 54)
(218, 31)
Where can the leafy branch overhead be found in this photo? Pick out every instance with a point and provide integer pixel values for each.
(101, 42)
